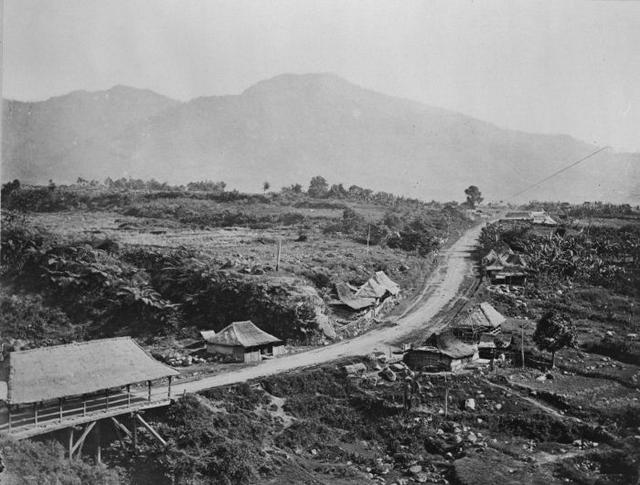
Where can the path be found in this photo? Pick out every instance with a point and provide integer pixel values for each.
(442, 287)
(543, 407)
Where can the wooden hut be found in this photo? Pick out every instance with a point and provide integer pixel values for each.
(481, 319)
(443, 353)
(244, 342)
(491, 345)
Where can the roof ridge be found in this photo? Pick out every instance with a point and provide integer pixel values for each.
(73, 344)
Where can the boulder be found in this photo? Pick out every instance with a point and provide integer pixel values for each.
(388, 374)
(470, 404)
(358, 368)
(415, 469)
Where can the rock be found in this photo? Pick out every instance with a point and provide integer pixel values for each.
(421, 478)
(498, 407)
(541, 378)
(415, 469)
(470, 404)
(397, 367)
(354, 369)
(472, 437)
(388, 374)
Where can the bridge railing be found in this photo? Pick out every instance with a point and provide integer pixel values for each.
(18, 418)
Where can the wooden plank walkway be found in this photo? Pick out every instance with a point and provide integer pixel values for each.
(30, 421)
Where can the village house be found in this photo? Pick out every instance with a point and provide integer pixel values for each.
(491, 345)
(482, 319)
(378, 289)
(443, 352)
(533, 217)
(244, 342)
(504, 267)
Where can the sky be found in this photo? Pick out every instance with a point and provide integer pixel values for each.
(547, 67)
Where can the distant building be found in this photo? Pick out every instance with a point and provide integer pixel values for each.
(443, 353)
(504, 267)
(244, 342)
(533, 217)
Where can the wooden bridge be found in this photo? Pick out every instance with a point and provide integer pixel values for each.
(31, 420)
(66, 386)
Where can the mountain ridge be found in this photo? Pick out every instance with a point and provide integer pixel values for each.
(290, 127)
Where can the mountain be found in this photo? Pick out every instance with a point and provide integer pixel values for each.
(37, 135)
(291, 127)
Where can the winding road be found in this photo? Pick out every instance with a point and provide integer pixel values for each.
(441, 288)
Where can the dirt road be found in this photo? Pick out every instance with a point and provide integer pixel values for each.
(441, 288)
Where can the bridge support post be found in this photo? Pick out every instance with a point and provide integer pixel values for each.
(169, 390)
(149, 391)
(71, 443)
(135, 432)
(128, 395)
(150, 429)
(80, 441)
(60, 409)
(98, 443)
(35, 413)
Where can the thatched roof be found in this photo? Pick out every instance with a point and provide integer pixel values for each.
(490, 341)
(454, 348)
(80, 368)
(207, 335)
(377, 286)
(371, 289)
(346, 297)
(484, 315)
(243, 334)
(390, 285)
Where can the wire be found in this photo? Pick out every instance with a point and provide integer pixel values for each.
(558, 172)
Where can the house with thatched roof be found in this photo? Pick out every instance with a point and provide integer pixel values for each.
(244, 342)
(375, 290)
(504, 267)
(61, 371)
(490, 345)
(481, 319)
(443, 352)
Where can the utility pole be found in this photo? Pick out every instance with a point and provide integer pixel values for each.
(524, 292)
(278, 253)
(368, 235)
(446, 396)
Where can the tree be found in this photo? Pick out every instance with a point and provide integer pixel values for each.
(474, 197)
(266, 186)
(554, 332)
(318, 187)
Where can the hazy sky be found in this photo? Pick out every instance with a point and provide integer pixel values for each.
(555, 67)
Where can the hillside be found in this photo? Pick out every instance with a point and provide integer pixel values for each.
(291, 127)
